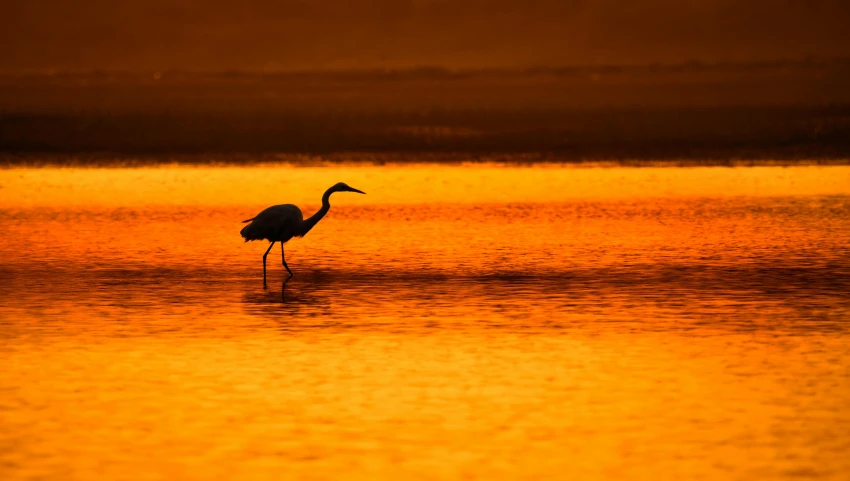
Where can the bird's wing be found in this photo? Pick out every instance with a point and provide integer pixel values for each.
(278, 222)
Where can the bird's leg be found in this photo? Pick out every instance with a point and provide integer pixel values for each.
(264, 261)
(283, 258)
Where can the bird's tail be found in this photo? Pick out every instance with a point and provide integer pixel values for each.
(247, 231)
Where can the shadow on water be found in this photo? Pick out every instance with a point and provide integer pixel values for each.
(670, 297)
(650, 297)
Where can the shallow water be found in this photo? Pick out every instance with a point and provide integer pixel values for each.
(456, 322)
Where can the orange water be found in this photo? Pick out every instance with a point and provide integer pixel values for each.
(456, 322)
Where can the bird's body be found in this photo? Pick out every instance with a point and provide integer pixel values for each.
(277, 223)
(280, 223)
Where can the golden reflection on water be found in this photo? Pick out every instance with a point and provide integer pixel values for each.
(578, 323)
(399, 184)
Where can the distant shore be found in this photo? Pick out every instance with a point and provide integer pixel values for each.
(783, 111)
(107, 160)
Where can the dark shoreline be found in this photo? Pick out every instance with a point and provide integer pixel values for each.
(103, 160)
(693, 114)
(714, 135)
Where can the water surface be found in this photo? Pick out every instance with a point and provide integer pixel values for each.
(457, 322)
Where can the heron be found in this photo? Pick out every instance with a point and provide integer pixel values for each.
(280, 223)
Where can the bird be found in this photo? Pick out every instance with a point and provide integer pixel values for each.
(280, 223)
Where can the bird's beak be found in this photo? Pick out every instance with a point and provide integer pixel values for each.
(352, 189)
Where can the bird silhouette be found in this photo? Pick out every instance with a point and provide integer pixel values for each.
(280, 223)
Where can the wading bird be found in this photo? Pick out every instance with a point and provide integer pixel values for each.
(279, 223)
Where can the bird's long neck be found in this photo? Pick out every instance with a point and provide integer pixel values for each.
(314, 219)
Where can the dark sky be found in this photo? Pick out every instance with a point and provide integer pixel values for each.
(317, 34)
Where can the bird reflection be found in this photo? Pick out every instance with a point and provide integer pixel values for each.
(294, 297)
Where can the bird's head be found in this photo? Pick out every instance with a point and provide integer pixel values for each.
(343, 187)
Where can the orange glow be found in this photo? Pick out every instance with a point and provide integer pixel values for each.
(403, 184)
(364, 405)
(479, 321)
